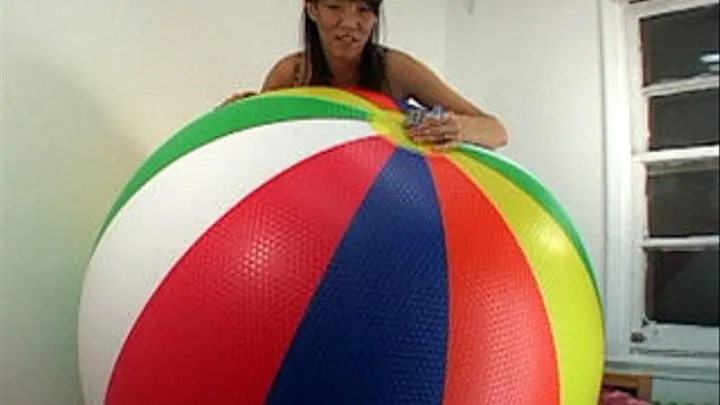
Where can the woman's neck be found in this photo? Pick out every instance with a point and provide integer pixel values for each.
(344, 72)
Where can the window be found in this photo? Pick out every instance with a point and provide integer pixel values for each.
(673, 176)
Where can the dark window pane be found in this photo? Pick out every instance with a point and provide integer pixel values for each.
(674, 44)
(685, 119)
(683, 203)
(682, 288)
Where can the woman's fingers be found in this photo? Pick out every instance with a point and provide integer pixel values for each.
(238, 96)
(431, 135)
(441, 147)
(434, 130)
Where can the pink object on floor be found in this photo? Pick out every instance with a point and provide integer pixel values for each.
(614, 397)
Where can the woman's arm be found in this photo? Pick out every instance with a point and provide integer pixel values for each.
(466, 123)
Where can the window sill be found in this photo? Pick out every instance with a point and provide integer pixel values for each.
(679, 341)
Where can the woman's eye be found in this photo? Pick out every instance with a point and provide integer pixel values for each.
(365, 8)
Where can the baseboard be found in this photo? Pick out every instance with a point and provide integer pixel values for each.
(675, 368)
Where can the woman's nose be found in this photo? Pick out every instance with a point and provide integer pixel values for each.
(350, 17)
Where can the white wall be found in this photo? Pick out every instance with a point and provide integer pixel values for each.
(420, 27)
(89, 89)
(539, 67)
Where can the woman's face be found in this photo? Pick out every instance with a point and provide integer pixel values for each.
(345, 26)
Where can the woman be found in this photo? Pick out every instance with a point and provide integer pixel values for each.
(341, 50)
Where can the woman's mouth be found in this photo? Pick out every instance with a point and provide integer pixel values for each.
(346, 39)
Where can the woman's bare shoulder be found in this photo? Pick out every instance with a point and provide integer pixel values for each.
(284, 72)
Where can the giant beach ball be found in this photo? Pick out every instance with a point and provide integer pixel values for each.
(297, 248)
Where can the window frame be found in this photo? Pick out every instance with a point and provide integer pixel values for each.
(626, 128)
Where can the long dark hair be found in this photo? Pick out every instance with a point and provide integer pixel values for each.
(372, 63)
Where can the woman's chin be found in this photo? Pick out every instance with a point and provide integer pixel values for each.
(347, 54)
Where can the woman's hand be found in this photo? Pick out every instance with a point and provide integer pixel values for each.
(450, 129)
(237, 96)
(441, 132)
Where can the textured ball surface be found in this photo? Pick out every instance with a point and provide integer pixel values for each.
(296, 248)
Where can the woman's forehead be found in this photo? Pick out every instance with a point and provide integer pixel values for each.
(367, 2)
